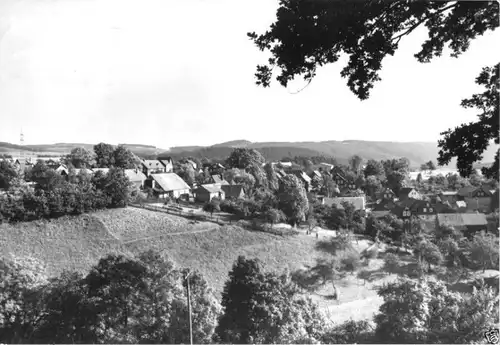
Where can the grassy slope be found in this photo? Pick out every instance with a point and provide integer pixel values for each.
(77, 243)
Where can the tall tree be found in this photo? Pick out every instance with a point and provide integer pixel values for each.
(124, 158)
(242, 158)
(7, 174)
(104, 155)
(468, 142)
(272, 178)
(374, 168)
(117, 187)
(80, 157)
(355, 164)
(426, 311)
(293, 199)
(265, 308)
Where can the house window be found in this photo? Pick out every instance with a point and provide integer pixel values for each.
(430, 210)
(425, 209)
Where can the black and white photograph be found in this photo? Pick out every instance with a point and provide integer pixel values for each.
(249, 172)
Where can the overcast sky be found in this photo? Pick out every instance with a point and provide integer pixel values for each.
(181, 72)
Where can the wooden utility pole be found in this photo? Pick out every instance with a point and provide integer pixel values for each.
(189, 309)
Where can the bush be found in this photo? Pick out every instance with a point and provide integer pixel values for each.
(391, 262)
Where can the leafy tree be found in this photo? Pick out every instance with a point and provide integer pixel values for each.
(80, 157)
(46, 178)
(429, 166)
(20, 307)
(419, 178)
(350, 261)
(428, 252)
(259, 175)
(293, 199)
(391, 262)
(355, 164)
(274, 216)
(212, 206)
(484, 250)
(328, 185)
(117, 187)
(265, 308)
(124, 158)
(7, 174)
(467, 142)
(322, 31)
(349, 332)
(242, 158)
(374, 168)
(396, 172)
(425, 311)
(272, 178)
(104, 155)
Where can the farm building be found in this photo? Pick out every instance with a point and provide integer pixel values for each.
(136, 176)
(207, 192)
(469, 223)
(358, 201)
(168, 185)
(234, 191)
(218, 179)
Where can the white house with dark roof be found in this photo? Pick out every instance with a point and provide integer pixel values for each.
(150, 166)
(168, 185)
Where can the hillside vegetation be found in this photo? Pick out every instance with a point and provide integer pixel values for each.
(78, 242)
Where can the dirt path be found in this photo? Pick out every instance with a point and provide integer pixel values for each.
(170, 234)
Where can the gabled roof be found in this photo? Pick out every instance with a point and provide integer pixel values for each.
(483, 191)
(152, 164)
(170, 181)
(357, 201)
(135, 175)
(465, 191)
(234, 190)
(219, 179)
(405, 190)
(210, 188)
(462, 219)
(166, 162)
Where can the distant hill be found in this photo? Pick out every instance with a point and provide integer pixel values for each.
(234, 143)
(416, 152)
(65, 148)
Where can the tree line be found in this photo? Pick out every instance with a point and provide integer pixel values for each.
(143, 299)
